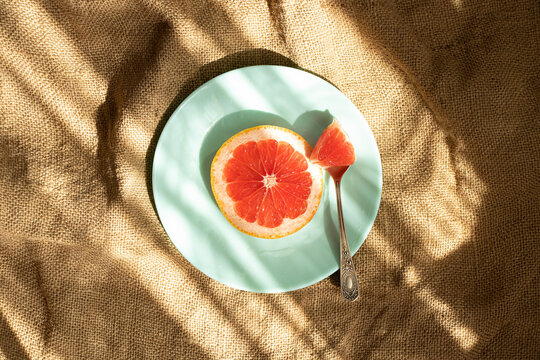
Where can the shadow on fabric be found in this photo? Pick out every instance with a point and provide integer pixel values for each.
(10, 345)
(204, 74)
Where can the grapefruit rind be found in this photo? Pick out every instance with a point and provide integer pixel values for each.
(226, 205)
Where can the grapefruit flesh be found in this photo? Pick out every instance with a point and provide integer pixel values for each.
(264, 183)
(334, 151)
(333, 148)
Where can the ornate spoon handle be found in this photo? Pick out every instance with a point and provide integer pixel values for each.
(349, 282)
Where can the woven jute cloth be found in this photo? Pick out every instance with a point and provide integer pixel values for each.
(450, 89)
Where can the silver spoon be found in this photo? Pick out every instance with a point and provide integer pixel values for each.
(348, 280)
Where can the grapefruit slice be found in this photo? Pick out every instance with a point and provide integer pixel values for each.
(333, 148)
(264, 183)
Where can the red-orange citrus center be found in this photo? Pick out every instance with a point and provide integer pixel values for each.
(268, 181)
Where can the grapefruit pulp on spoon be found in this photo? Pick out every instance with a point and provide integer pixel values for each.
(264, 183)
(333, 150)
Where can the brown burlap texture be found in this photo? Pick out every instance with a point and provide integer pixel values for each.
(450, 88)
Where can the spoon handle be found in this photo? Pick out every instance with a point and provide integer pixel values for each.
(348, 280)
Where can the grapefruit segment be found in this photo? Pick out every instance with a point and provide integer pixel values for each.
(264, 183)
(279, 202)
(333, 148)
(248, 207)
(302, 178)
(248, 155)
(295, 163)
(267, 154)
(268, 215)
(242, 189)
(296, 190)
(283, 155)
(293, 205)
(239, 171)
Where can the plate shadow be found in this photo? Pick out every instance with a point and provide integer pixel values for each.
(330, 229)
(207, 72)
(311, 124)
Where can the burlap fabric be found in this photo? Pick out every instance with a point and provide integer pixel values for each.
(450, 88)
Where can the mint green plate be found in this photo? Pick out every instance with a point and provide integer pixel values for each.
(225, 105)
